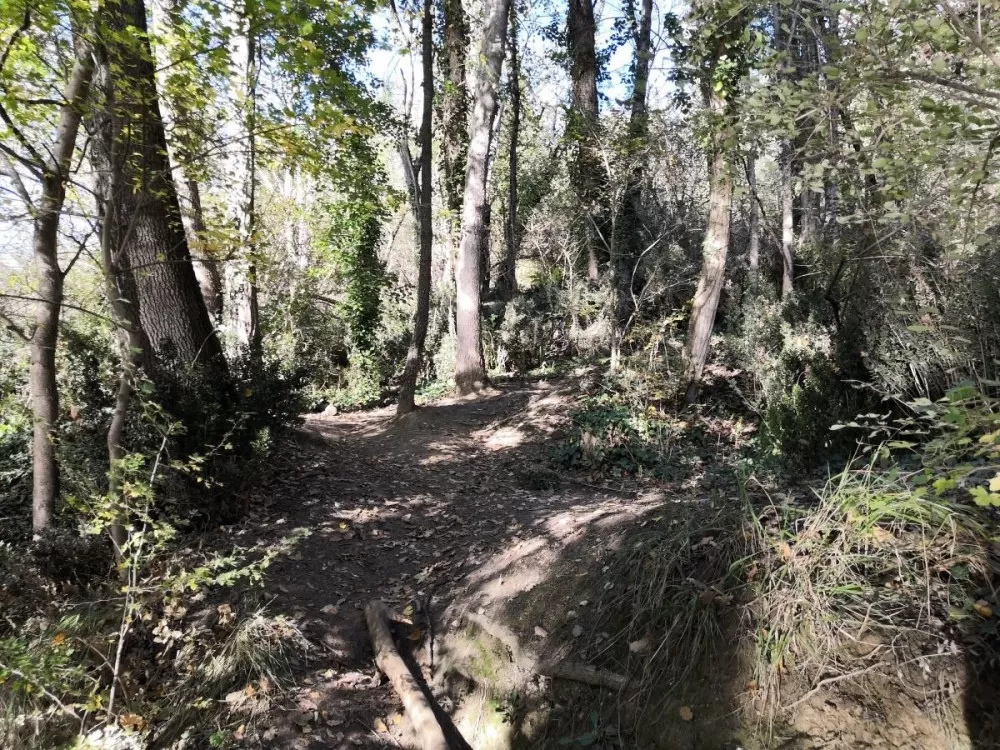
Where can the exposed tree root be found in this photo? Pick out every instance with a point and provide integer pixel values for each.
(556, 669)
(418, 708)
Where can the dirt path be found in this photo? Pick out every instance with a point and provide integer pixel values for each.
(436, 510)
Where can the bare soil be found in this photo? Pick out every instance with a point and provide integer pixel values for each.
(455, 509)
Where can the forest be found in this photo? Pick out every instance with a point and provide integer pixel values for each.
(499, 374)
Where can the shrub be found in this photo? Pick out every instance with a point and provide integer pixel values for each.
(608, 436)
(793, 378)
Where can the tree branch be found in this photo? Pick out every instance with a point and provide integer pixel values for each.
(67, 305)
(19, 187)
(18, 33)
(14, 327)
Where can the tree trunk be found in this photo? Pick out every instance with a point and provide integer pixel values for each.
(241, 308)
(414, 357)
(143, 215)
(132, 344)
(45, 245)
(583, 121)
(714, 251)
(167, 18)
(470, 371)
(753, 253)
(787, 223)
(455, 108)
(507, 275)
(631, 241)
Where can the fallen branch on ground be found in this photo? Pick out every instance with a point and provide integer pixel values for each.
(558, 670)
(391, 664)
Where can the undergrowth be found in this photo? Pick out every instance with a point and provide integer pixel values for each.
(882, 573)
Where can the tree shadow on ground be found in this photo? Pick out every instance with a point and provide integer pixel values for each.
(452, 510)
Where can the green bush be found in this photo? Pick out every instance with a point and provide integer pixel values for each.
(15, 446)
(791, 375)
(611, 437)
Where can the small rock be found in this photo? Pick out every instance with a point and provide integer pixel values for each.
(577, 631)
(541, 632)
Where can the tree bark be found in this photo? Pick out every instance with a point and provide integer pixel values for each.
(753, 253)
(584, 118)
(455, 108)
(714, 251)
(425, 227)
(143, 215)
(241, 309)
(507, 276)
(42, 376)
(787, 223)
(470, 371)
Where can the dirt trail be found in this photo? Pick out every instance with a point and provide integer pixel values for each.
(428, 510)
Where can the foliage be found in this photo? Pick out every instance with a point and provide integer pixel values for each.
(787, 368)
(15, 439)
(612, 438)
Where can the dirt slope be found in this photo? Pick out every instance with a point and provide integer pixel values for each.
(450, 511)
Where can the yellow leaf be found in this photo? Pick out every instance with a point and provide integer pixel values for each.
(380, 726)
(686, 713)
(995, 484)
(58, 639)
(983, 608)
(408, 611)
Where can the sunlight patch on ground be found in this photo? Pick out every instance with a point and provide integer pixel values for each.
(505, 437)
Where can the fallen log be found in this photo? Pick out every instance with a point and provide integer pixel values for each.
(556, 669)
(391, 664)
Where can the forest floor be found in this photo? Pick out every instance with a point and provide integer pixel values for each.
(453, 512)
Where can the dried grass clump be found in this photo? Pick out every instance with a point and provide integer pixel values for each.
(861, 581)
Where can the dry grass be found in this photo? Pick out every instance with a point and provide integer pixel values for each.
(859, 582)
(238, 679)
(780, 601)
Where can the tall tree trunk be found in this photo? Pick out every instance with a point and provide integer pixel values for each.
(714, 251)
(470, 371)
(414, 357)
(507, 276)
(143, 215)
(45, 244)
(167, 19)
(787, 223)
(584, 119)
(454, 108)
(631, 240)
(753, 253)
(241, 308)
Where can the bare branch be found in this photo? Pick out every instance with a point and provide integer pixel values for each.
(84, 310)
(19, 187)
(14, 327)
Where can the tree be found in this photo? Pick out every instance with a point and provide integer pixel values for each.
(139, 205)
(52, 165)
(178, 79)
(470, 371)
(421, 192)
(718, 57)
(584, 120)
(634, 238)
(240, 311)
(506, 285)
(454, 106)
